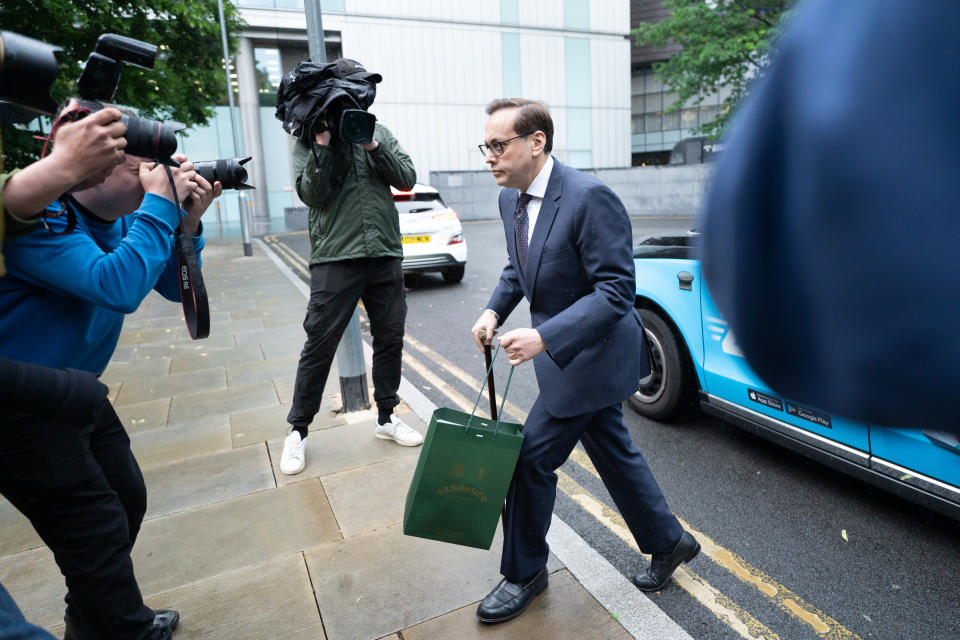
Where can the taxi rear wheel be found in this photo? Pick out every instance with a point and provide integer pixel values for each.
(667, 393)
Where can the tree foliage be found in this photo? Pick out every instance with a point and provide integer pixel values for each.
(725, 43)
(187, 79)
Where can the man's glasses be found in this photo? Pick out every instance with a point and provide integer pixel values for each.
(496, 148)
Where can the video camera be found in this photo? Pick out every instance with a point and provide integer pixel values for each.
(349, 124)
(230, 173)
(101, 76)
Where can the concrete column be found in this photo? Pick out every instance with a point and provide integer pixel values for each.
(250, 114)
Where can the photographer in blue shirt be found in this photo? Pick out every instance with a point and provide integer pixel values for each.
(66, 463)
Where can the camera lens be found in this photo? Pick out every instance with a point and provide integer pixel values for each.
(357, 126)
(230, 173)
(150, 138)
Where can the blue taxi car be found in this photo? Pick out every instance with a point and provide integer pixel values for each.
(696, 363)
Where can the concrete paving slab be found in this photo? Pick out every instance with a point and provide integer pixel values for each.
(270, 423)
(565, 611)
(265, 315)
(340, 448)
(207, 359)
(231, 326)
(34, 581)
(282, 348)
(199, 406)
(123, 354)
(292, 300)
(177, 320)
(16, 532)
(284, 386)
(208, 479)
(371, 585)
(272, 600)
(231, 303)
(278, 320)
(144, 416)
(271, 336)
(222, 340)
(371, 497)
(260, 370)
(177, 385)
(232, 535)
(165, 446)
(147, 336)
(136, 371)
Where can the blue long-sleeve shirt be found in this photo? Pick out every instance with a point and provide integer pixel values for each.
(63, 300)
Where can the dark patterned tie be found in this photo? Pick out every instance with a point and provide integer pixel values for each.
(520, 226)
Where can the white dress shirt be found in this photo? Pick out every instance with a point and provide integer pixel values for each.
(536, 191)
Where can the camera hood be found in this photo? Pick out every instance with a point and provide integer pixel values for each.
(312, 89)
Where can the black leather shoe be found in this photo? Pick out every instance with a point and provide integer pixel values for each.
(509, 599)
(164, 623)
(662, 565)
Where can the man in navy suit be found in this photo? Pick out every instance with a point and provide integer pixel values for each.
(569, 245)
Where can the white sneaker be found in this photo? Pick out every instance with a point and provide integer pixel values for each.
(293, 458)
(398, 431)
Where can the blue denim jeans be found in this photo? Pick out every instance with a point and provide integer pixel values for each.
(13, 626)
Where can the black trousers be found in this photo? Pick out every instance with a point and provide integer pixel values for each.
(335, 289)
(68, 468)
(547, 443)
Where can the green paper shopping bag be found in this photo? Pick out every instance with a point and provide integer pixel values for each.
(462, 477)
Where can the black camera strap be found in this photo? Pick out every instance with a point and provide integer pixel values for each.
(193, 292)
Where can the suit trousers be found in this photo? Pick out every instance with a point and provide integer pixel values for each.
(335, 290)
(79, 484)
(547, 443)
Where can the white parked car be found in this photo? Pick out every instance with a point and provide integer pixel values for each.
(431, 233)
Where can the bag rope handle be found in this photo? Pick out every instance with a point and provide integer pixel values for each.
(503, 402)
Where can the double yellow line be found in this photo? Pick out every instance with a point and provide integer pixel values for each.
(292, 257)
(724, 608)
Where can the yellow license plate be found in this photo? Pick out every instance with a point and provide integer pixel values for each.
(415, 239)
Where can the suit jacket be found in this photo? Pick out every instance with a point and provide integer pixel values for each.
(579, 281)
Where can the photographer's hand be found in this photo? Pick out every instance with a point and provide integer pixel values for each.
(153, 177)
(324, 136)
(84, 154)
(198, 201)
(372, 145)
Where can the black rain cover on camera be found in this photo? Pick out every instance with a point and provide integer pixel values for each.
(312, 87)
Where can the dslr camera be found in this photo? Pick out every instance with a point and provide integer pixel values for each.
(99, 81)
(28, 69)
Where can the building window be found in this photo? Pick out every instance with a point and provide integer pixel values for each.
(671, 120)
(636, 122)
(268, 75)
(653, 122)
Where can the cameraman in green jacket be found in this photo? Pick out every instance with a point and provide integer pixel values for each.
(355, 254)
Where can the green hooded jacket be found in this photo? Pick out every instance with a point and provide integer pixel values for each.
(347, 188)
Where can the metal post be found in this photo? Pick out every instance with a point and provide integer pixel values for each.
(315, 43)
(244, 219)
(350, 363)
